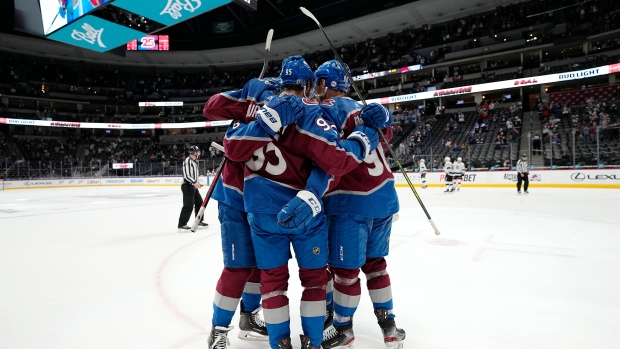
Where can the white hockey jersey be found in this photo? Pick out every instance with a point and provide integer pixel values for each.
(423, 168)
(458, 169)
(447, 168)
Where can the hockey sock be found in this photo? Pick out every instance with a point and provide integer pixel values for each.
(228, 291)
(347, 291)
(329, 290)
(312, 308)
(250, 299)
(274, 283)
(378, 283)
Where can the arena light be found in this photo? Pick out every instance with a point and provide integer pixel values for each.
(161, 104)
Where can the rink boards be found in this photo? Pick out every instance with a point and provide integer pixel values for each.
(574, 178)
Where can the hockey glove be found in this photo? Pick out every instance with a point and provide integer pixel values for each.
(298, 212)
(367, 137)
(278, 113)
(375, 115)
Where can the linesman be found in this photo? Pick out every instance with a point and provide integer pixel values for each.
(190, 186)
(522, 174)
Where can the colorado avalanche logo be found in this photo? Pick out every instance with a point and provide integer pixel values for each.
(536, 177)
(333, 83)
(298, 81)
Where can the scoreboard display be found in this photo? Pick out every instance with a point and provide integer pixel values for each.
(150, 43)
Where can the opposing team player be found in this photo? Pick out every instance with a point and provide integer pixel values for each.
(240, 276)
(458, 172)
(276, 175)
(359, 230)
(447, 170)
(423, 172)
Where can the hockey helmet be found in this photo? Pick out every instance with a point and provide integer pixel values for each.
(447, 159)
(334, 74)
(295, 71)
(524, 155)
(459, 159)
(194, 149)
(422, 160)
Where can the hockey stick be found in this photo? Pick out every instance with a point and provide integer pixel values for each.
(406, 164)
(220, 148)
(267, 49)
(51, 25)
(359, 93)
(211, 187)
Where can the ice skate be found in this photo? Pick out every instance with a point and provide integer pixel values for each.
(338, 337)
(329, 319)
(305, 343)
(252, 327)
(184, 229)
(392, 336)
(218, 339)
(527, 192)
(285, 343)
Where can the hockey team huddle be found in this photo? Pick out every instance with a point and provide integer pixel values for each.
(304, 169)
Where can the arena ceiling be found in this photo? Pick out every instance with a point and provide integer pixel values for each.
(345, 21)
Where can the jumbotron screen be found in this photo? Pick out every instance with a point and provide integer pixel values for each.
(58, 13)
(150, 43)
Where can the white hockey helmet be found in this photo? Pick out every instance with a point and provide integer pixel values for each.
(422, 160)
(447, 159)
(459, 159)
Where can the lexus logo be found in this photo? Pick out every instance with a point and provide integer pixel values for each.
(578, 177)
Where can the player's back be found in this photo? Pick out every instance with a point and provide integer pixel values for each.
(277, 170)
(237, 105)
(372, 182)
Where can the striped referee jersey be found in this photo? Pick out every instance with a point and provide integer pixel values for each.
(190, 170)
(522, 166)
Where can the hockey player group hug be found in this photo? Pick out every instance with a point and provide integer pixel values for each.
(304, 169)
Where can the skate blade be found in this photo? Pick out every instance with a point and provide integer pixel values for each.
(394, 345)
(348, 345)
(252, 336)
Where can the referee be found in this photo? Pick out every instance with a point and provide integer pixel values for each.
(522, 174)
(190, 186)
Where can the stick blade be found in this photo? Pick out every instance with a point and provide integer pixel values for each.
(217, 146)
(306, 12)
(434, 227)
(197, 219)
(268, 41)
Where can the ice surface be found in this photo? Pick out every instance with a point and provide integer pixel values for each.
(103, 267)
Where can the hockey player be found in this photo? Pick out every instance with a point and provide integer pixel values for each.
(240, 276)
(447, 170)
(359, 230)
(423, 173)
(458, 171)
(276, 175)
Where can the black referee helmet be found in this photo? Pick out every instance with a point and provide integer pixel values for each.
(194, 149)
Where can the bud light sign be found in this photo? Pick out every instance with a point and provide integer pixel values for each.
(95, 34)
(170, 12)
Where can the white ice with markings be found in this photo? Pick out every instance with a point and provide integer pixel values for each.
(105, 268)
